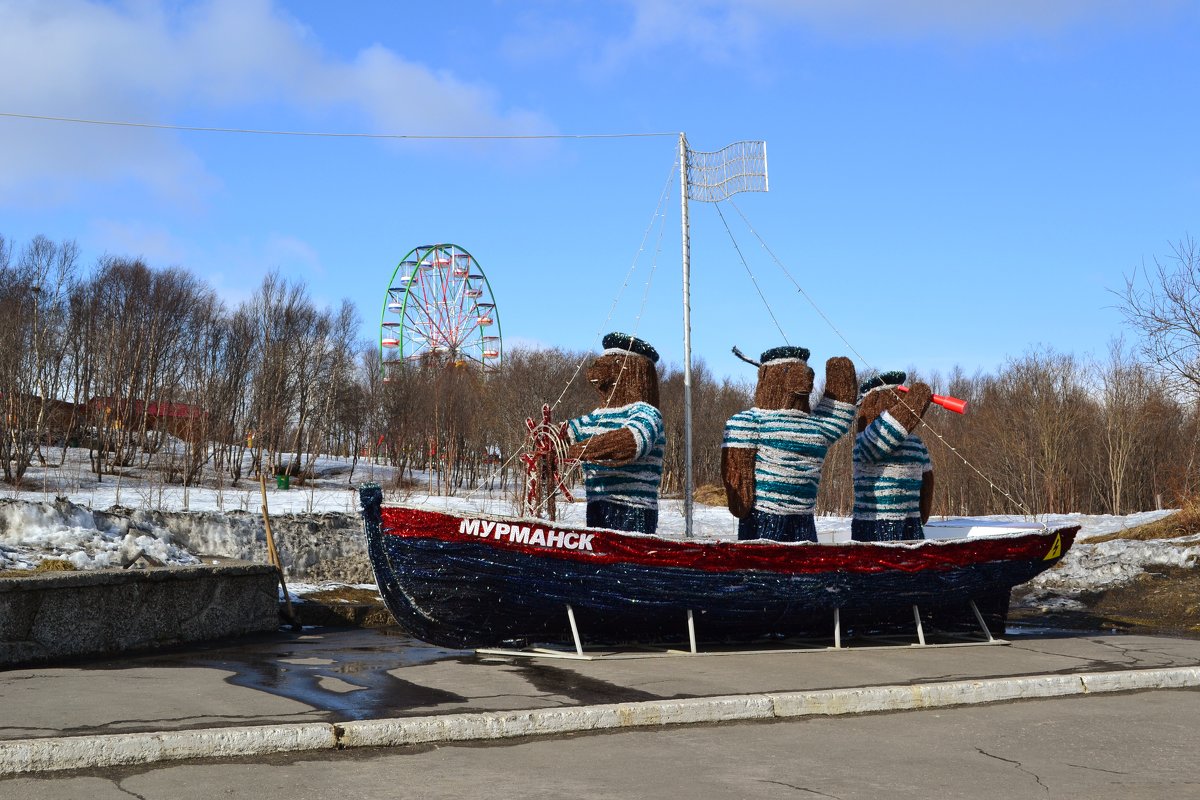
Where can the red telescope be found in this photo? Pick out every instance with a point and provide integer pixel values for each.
(948, 403)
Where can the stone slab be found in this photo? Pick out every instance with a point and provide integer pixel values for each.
(59, 616)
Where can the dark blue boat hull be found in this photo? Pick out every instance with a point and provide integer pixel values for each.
(458, 591)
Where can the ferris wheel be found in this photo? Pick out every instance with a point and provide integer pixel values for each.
(439, 311)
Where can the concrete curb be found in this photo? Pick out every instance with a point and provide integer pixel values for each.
(80, 752)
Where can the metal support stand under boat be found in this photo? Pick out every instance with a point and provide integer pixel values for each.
(650, 652)
(979, 618)
(574, 630)
(920, 629)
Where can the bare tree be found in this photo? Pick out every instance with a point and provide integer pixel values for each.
(1162, 303)
(1124, 387)
(35, 297)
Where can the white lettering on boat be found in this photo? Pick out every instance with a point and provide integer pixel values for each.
(521, 534)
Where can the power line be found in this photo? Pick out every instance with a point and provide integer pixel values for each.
(329, 134)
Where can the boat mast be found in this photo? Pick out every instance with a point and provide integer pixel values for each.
(709, 178)
(687, 337)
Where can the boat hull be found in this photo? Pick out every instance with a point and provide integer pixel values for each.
(477, 581)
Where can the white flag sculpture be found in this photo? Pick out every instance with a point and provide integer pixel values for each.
(739, 167)
(709, 178)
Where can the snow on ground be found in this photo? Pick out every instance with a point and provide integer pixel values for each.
(33, 532)
(35, 526)
(331, 490)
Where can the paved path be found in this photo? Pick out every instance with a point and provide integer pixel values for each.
(339, 689)
(1121, 746)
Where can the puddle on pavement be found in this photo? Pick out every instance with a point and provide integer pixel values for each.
(338, 670)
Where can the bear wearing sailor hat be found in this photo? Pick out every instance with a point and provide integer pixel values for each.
(621, 443)
(893, 476)
(773, 453)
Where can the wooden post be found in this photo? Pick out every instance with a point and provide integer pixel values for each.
(272, 553)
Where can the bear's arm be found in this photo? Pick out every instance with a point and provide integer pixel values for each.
(926, 496)
(737, 473)
(841, 382)
(611, 448)
(910, 407)
(880, 439)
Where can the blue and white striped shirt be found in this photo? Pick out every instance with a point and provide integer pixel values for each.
(791, 447)
(889, 465)
(635, 483)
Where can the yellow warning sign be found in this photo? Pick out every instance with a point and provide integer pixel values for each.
(1055, 549)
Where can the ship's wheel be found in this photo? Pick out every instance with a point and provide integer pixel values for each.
(439, 311)
(546, 461)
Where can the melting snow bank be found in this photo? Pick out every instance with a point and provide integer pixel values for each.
(33, 532)
(1090, 568)
(321, 546)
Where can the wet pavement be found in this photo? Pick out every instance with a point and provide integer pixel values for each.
(337, 675)
(343, 671)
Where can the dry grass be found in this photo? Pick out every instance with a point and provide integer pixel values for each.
(46, 565)
(710, 495)
(54, 565)
(1184, 522)
(344, 594)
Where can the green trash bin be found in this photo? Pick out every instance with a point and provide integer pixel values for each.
(283, 481)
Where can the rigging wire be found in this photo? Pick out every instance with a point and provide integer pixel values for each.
(332, 134)
(659, 217)
(749, 272)
(799, 288)
(865, 361)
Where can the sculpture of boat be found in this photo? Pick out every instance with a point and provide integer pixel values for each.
(485, 581)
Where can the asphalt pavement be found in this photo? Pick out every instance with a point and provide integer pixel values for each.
(332, 689)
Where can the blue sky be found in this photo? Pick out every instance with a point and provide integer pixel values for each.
(952, 183)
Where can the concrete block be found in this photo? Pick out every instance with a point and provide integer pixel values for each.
(63, 615)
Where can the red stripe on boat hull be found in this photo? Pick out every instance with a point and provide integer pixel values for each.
(613, 547)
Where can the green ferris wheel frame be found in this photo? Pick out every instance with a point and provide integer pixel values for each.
(439, 310)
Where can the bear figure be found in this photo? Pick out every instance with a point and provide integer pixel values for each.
(893, 476)
(772, 453)
(621, 443)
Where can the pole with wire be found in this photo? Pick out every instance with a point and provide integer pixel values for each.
(687, 337)
(708, 177)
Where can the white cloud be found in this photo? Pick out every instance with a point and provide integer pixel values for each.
(153, 244)
(176, 63)
(961, 19)
(734, 31)
(292, 255)
(232, 267)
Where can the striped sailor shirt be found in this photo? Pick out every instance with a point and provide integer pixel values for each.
(889, 465)
(791, 447)
(635, 483)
